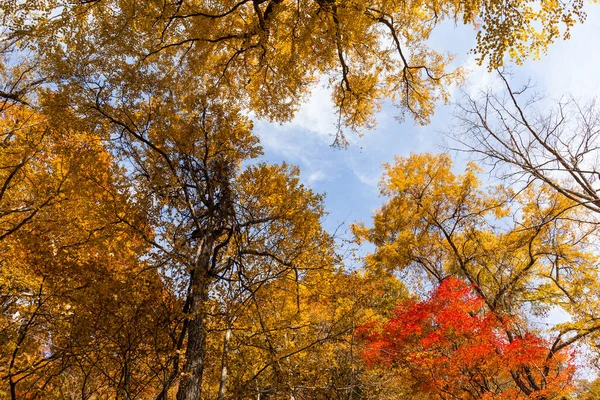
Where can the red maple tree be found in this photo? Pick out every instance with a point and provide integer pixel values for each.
(454, 349)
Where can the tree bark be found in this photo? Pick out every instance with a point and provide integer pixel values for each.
(190, 386)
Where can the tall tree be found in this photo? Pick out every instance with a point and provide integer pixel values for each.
(216, 222)
(523, 253)
(66, 259)
(211, 220)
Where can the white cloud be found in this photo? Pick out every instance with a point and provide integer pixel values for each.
(316, 176)
(479, 79)
(371, 180)
(318, 114)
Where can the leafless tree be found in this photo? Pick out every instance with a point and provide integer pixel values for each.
(530, 138)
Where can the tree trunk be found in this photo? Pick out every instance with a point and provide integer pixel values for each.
(223, 382)
(190, 386)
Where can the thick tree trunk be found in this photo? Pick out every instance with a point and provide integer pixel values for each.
(190, 386)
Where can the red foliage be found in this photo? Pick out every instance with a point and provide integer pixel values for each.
(454, 348)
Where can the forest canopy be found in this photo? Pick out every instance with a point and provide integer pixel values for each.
(148, 252)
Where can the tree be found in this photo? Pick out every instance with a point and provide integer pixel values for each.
(265, 56)
(297, 341)
(557, 146)
(66, 262)
(451, 347)
(209, 222)
(532, 140)
(99, 323)
(217, 224)
(524, 253)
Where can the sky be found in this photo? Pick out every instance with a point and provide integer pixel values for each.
(349, 177)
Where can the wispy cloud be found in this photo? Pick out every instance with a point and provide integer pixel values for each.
(350, 177)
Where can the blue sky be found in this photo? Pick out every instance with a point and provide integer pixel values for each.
(349, 177)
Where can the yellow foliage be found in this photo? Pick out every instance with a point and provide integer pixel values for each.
(266, 56)
(525, 253)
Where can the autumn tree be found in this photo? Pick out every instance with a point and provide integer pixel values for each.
(300, 336)
(266, 56)
(164, 89)
(208, 219)
(524, 253)
(136, 285)
(66, 260)
(217, 222)
(449, 346)
(531, 139)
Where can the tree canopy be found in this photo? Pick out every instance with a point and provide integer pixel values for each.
(266, 56)
(146, 252)
(450, 347)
